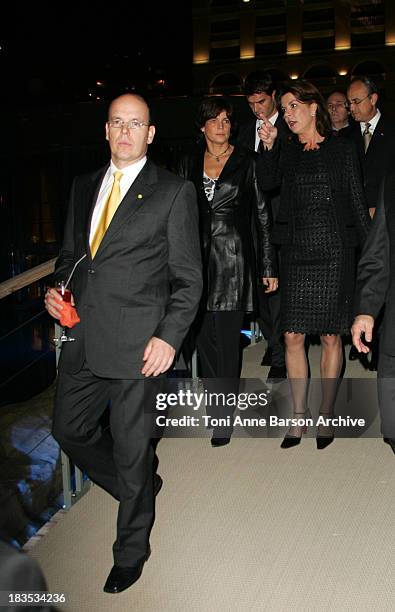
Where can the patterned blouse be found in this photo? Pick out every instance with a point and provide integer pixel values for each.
(209, 186)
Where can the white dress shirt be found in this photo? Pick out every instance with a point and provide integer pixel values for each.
(129, 175)
(373, 123)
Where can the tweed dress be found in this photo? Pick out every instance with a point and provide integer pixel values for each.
(317, 270)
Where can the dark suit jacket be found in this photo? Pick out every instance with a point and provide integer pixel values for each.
(225, 229)
(376, 161)
(376, 269)
(145, 279)
(247, 133)
(19, 572)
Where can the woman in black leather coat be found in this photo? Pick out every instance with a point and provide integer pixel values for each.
(230, 199)
(322, 218)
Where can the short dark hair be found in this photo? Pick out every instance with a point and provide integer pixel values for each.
(259, 81)
(306, 92)
(210, 107)
(367, 81)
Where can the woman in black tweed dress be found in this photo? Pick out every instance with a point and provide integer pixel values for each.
(323, 216)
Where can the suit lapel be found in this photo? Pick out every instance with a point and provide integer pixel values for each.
(228, 172)
(91, 195)
(377, 138)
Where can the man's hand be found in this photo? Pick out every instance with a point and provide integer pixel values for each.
(270, 283)
(158, 357)
(54, 303)
(362, 324)
(268, 134)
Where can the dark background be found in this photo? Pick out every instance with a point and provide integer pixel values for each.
(58, 52)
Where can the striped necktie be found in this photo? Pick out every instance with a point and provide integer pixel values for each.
(108, 212)
(367, 136)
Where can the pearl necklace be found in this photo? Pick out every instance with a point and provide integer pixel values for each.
(220, 155)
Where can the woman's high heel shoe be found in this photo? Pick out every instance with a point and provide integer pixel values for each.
(324, 441)
(290, 441)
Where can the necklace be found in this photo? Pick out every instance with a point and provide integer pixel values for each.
(220, 155)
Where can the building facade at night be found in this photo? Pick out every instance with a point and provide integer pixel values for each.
(326, 42)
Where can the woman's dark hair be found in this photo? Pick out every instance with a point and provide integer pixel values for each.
(306, 92)
(210, 107)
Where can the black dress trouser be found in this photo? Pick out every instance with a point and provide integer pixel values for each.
(218, 344)
(386, 394)
(121, 462)
(269, 323)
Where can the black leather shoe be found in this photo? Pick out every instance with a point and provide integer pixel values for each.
(267, 357)
(121, 578)
(219, 441)
(353, 354)
(276, 374)
(390, 442)
(324, 441)
(158, 482)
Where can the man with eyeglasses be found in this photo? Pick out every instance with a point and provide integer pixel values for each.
(339, 113)
(260, 92)
(136, 292)
(374, 137)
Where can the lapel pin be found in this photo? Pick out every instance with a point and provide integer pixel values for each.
(140, 196)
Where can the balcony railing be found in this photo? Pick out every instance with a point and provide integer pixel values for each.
(74, 484)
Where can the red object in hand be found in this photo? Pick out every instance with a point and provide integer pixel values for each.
(65, 293)
(69, 316)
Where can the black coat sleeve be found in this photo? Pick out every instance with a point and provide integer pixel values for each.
(357, 196)
(373, 274)
(269, 167)
(267, 265)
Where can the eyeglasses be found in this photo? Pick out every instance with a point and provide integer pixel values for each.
(357, 101)
(133, 124)
(335, 105)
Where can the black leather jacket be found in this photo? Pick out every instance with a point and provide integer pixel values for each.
(231, 265)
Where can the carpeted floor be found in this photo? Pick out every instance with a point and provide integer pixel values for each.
(246, 527)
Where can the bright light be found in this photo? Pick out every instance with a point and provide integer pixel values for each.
(294, 76)
(343, 72)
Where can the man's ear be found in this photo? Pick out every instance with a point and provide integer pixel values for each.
(151, 134)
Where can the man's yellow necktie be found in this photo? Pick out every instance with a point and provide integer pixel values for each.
(108, 212)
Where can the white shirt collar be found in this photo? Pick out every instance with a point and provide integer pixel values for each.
(129, 171)
(373, 122)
